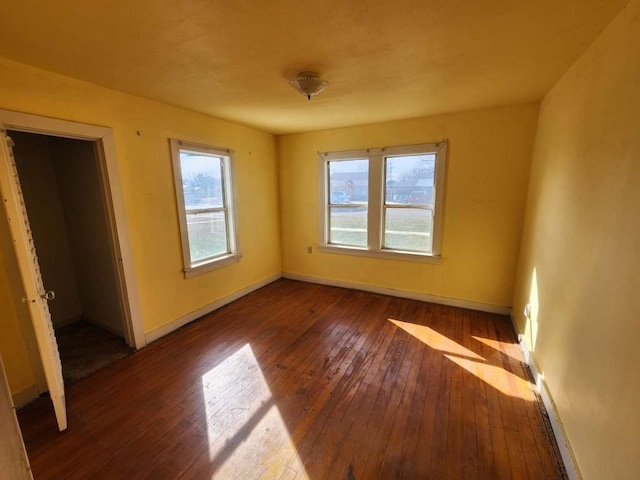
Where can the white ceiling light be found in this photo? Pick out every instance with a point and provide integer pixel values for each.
(308, 84)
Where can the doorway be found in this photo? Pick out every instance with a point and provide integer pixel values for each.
(62, 189)
(31, 299)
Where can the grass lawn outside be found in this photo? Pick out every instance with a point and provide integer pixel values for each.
(207, 235)
(405, 228)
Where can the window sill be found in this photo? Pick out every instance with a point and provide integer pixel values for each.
(212, 265)
(384, 254)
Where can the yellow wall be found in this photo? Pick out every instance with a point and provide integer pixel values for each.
(488, 162)
(147, 181)
(582, 240)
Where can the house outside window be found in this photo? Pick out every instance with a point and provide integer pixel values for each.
(383, 202)
(206, 206)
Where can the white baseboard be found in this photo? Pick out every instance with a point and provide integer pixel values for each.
(424, 297)
(221, 302)
(27, 395)
(569, 461)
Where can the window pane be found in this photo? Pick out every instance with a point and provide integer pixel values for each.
(201, 180)
(409, 179)
(349, 182)
(207, 235)
(408, 229)
(348, 226)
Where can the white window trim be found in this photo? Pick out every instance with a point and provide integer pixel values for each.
(375, 210)
(192, 269)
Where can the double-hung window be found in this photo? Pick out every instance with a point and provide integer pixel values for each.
(206, 206)
(384, 202)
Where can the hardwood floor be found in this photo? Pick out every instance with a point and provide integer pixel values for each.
(306, 381)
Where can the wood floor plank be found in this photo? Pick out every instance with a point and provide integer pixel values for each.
(353, 393)
(485, 465)
(436, 392)
(303, 381)
(376, 432)
(399, 451)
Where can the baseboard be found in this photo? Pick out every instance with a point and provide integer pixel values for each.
(569, 461)
(221, 302)
(27, 395)
(424, 297)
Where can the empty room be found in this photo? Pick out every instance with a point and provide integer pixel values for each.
(335, 240)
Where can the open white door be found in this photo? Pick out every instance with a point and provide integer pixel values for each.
(36, 296)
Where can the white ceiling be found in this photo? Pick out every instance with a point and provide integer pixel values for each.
(384, 59)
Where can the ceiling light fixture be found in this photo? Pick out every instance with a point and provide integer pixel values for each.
(308, 84)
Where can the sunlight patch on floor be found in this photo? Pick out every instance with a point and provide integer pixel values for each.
(247, 435)
(495, 376)
(502, 347)
(434, 339)
(499, 378)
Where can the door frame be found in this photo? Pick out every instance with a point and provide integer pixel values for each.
(112, 194)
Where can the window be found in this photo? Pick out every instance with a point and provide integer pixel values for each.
(383, 202)
(206, 206)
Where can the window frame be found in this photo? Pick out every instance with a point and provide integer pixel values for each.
(376, 208)
(229, 207)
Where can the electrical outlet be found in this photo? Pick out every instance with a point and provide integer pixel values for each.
(309, 249)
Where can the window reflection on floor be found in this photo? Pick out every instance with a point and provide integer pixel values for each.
(494, 375)
(247, 435)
